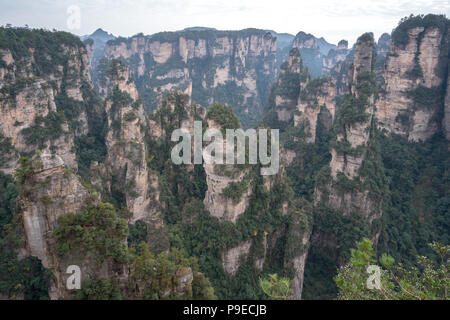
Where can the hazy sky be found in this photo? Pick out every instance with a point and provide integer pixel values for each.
(332, 19)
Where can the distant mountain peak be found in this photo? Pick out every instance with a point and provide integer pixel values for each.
(100, 32)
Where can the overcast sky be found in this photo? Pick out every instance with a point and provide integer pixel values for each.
(332, 19)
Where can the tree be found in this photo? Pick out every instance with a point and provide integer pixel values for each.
(276, 288)
(430, 281)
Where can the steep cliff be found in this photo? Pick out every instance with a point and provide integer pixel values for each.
(45, 89)
(299, 102)
(331, 154)
(66, 225)
(316, 103)
(49, 111)
(235, 195)
(286, 91)
(46, 78)
(126, 162)
(49, 192)
(340, 157)
(228, 193)
(347, 190)
(233, 67)
(414, 77)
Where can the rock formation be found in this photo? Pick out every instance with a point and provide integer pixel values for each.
(232, 67)
(44, 109)
(353, 128)
(319, 55)
(41, 207)
(415, 72)
(126, 163)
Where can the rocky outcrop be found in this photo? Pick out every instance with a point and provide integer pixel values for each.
(219, 178)
(414, 75)
(302, 100)
(353, 129)
(287, 88)
(317, 98)
(297, 245)
(232, 258)
(41, 207)
(126, 165)
(233, 67)
(42, 99)
(47, 106)
(216, 202)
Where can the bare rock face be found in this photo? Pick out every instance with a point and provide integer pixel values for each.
(40, 208)
(232, 258)
(51, 192)
(298, 263)
(219, 205)
(31, 103)
(317, 97)
(297, 245)
(126, 164)
(305, 101)
(414, 72)
(286, 94)
(218, 178)
(233, 67)
(301, 99)
(353, 127)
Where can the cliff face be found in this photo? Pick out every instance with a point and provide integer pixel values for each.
(219, 205)
(126, 164)
(344, 101)
(41, 207)
(234, 220)
(329, 140)
(64, 128)
(353, 130)
(291, 79)
(414, 75)
(332, 128)
(244, 202)
(42, 104)
(299, 233)
(316, 103)
(228, 67)
(223, 179)
(302, 101)
(48, 106)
